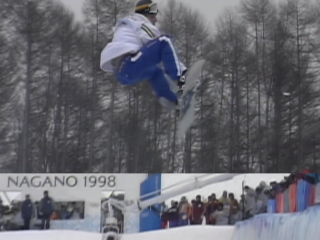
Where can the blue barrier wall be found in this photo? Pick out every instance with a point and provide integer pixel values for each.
(150, 218)
(298, 197)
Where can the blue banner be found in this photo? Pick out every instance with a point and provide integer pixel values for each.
(150, 218)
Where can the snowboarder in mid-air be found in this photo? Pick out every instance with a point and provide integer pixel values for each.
(136, 50)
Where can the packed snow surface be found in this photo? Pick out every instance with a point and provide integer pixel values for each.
(185, 233)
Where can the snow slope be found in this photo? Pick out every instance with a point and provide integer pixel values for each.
(49, 235)
(286, 226)
(185, 233)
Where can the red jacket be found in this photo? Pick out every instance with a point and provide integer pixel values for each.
(197, 210)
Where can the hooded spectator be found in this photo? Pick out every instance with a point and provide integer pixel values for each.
(263, 185)
(250, 197)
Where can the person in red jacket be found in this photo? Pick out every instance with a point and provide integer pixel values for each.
(198, 208)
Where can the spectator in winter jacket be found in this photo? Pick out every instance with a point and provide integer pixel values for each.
(234, 209)
(259, 203)
(250, 197)
(242, 205)
(273, 184)
(172, 215)
(185, 211)
(46, 208)
(263, 185)
(27, 211)
(214, 197)
(197, 211)
(220, 217)
(210, 207)
(224, 198)
(275, 188)
(262, 198)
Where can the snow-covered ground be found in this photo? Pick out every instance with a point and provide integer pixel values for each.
(49, 235)
(183, 233)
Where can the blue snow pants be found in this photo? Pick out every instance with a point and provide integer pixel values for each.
(143, 66)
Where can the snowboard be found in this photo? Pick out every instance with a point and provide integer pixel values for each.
(187, 99)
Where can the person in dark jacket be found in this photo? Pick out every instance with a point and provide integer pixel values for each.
(172, 214)
(210, 207)
(46, 209)
(27, 211)
(198, 208)
(163, 215)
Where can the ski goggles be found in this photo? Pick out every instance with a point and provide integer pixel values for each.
(148, 8)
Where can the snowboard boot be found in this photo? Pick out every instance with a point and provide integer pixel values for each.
(180, 83)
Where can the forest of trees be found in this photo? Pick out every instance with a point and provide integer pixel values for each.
(258, 109)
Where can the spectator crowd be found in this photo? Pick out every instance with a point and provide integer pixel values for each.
(227, 210)
(36, 215)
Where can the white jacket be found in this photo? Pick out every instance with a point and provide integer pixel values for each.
(131, 33)
(221, 217)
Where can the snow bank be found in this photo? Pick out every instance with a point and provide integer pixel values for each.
(288, 226)
(185, 233)
(49, 235)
